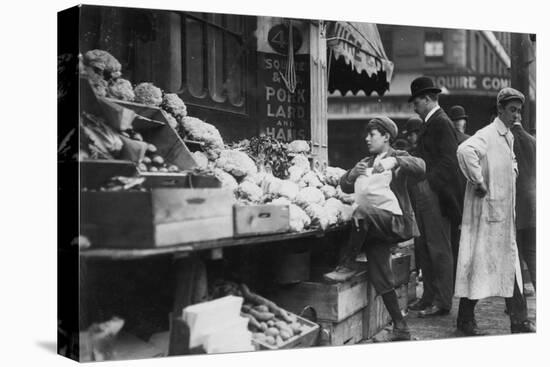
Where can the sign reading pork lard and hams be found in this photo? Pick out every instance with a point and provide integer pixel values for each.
(283, 108)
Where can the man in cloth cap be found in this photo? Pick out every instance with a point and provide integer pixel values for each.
(459, 118)
(439, 196)
(375, 229)
(488, 261)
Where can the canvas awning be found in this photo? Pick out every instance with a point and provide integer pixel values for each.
(357, 60)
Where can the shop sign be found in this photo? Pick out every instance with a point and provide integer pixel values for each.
(283, 115)
(471, 82)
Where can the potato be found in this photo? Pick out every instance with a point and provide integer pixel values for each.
(285, 335)
(153, 169)
(142, 167)
(174, 168)
(261, 308)
(279, 341)
(146, 160)
(163, 169)
(263, 326)
(296, 328)
(270, 340)
(158, 160)
(272, 331)
(270, 323)
(137, 136)
(151, 148)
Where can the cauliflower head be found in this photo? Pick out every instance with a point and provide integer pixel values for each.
(121, 89)
(319, 216)
(343, 197)
(171, 120)
(310, 179)
(328, 191)
(147, 93)
(201, 159)
(299, 220)
(237, 163)
(309, 195)
(173, 104)
(104, 62)
(202, 131)
(301, 160)
(250, 191)
(298, 146)
(333, 175)
(226, 179)
(296, 173)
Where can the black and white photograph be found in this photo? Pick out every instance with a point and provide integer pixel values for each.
(248, 183)
(267, 183)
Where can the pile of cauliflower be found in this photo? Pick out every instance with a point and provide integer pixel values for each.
(314, 198)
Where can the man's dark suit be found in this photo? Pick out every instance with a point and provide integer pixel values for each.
(439, 208)
(526, 206)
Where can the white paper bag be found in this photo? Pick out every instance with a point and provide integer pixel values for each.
(373, 190)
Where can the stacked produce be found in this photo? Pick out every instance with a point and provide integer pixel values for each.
(260, 170)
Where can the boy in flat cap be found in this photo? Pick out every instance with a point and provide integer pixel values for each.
(376, 229)
(488, 261)
(440, 196)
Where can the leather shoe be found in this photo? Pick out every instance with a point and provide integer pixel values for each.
(523, 327)
(340, 274)
(433, 311)
(468, 328)
(419, 305)
(397, 334)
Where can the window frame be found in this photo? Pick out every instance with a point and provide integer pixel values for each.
(207, 101)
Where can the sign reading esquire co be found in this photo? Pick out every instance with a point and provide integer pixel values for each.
(472, 82)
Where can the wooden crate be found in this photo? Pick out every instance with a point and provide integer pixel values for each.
(407, 248)
(253, 220)
(346, 332)
(160, 217)
(152, 124)
(400, 268)
(331, 302)
(411, 293)
(303, 340)
(375, 315)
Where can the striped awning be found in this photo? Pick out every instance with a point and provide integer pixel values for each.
(357, 58)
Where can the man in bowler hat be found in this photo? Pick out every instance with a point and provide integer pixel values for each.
(440, 197)
(459, 118)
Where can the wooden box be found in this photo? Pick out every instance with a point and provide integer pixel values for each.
(306, 339)
(411, 293)
(376, 316)
(331, 302)
(253, 220)
(407, 248)
(346, 332)
(400, 265)
(160, 217)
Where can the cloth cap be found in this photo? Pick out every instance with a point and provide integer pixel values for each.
(507, 94)
(384, 123)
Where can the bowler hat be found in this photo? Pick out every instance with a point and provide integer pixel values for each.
(413, 124)
(422, 85)
(507, 94)
(385, 123)
(457, 113)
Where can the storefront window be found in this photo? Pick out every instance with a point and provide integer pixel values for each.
(214, 62)
(434, 47)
